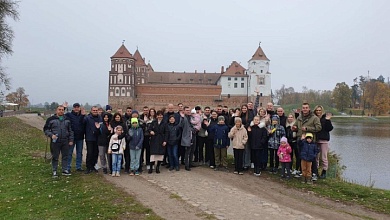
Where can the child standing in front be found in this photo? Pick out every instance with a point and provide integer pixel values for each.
(308, 152)
(275, 132)
(135, 138)
(239, 137)
(116, 148)
(284, 154)
(221, 143)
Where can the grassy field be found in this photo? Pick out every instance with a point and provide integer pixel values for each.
(27, 190)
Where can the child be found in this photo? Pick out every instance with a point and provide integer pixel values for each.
(116, 147)
(135, 139)
(221, 142)
(195, 120)
(105, 131)
(173, 143)
(258, 143)
(276, 132)
(239, 136)
(284, 154)
(308, 152)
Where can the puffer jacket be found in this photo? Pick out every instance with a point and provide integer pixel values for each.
(115, 140)
(284, 153)
(77, 124)
(61, 128)
(308, 151)
(220, 131)
(174, 134)
(239, 137)
(135, 138)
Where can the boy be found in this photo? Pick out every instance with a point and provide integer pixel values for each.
(308, 152)
(221, 142)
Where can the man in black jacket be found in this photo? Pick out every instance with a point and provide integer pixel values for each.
(59, 129)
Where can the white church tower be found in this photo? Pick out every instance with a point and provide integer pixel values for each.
(259, 76)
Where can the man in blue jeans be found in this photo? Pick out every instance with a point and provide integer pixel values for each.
(76, 116)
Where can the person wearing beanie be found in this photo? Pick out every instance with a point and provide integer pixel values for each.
(284, 154)
(275, 133)
(134, 138)
(108, 108)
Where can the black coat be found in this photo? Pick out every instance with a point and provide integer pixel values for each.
(326, 128)
(160, 136)
(258, 137)
(104, 135)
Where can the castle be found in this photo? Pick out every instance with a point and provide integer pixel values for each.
(134, 83)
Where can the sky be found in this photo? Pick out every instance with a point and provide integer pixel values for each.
(62, 49)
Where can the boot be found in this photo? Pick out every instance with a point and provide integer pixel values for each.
(158, 167)
(151, 167)
(323, 174)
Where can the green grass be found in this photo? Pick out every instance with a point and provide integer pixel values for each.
(27, 190)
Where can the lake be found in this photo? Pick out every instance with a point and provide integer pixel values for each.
(364, 150)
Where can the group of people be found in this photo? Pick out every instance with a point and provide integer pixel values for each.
(261, 138)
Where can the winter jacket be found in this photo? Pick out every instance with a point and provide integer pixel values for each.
(220, 131)
(311, 122)
(160, 136)
(174, 134)
(195, 121)
(246, 118)
(187, 131)
(277, 132)
(239, 137)
(258, 137)
(61, 128)
(104, 135)
(290, 134)
(115, 140)
(77, 120)
(284, 153)
(212, 122)
(91, 132)
(308, 151)
(135, 138)
(326, 128)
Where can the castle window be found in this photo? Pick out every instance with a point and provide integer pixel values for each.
(235, 85)
(191, 80)
(200, 80)
(261, 71)
(242, 78)
(242, 85)
(117, 91)
(254, 63)
(178, 79)
(229, 85)
(229, 78)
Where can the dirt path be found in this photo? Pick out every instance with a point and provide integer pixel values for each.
(203, 192)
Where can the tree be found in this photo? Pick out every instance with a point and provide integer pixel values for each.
(7, 9)
(381, 102)
(47, 106)
(342, 96)
(54, 105)
(19, 97)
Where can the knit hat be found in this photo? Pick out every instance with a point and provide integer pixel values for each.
(309, 135)
(283, 139)
(221, 118)
(134, 112)
(134, 120)
(108, 107)
(193, 111)
(275, 118)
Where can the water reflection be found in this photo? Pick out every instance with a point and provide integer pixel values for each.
(364, 151)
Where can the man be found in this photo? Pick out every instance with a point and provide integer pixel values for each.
(92, 125)
(171, 111)
(221, 113)
(109, 109)
(188, 138)
(59, 129)
(143, 119)
(127, 115)
(282, 117)
(201, 137)
(307, 122)
(76, 117)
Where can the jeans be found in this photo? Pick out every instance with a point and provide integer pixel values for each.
(172, 155)
(57, 148)
(103, 155)
(79, 154)
(116, 162)
(134, 159)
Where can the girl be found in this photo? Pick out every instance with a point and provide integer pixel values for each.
(276, 132)
(117, 146)
(239, 137)
(284, 152)
(258, 142)
(117, 120)
(135, 138)
(105, 131)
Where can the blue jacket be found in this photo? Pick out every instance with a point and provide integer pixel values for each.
(77, 121)
(135, 138)
(91, 132)
(220, 131)
(308, 151)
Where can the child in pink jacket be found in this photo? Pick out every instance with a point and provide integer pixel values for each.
(284, 154)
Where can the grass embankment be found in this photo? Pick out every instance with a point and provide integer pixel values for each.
(28, 191)
(334, 188)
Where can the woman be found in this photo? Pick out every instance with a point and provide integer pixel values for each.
(158, 141)
(117, 120)
(246, 118)
(209, 157)
(292, 141)
(323, 138)
(105, 132)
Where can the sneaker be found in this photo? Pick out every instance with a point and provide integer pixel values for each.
(136, 173)
(118, 174)
(113, 174)
(177, 168)
(235, 172)
(131, 174)
(105, 170)
(252, 165)
(257, 174)
(294, 172)
(314, 177)
(275, 171)
(240, 173)
(66, 173)
(55, 174)
(171, 168)
(212, 167)
(225, 169)
(97, 167)
(80, 169)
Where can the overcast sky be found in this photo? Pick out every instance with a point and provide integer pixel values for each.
(62, 49)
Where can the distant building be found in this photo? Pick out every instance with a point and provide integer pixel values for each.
(134, 83)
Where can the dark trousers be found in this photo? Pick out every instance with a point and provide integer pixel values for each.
(256, 160)
(286, 167)
(209, 157)
(189, 152)
(200, 142)
(56, 149)
(92, 154)
(238, 159)
(126, 155)
(263, 159)
(273, 158)
(295, 151)
(182, 152)
(145, 150)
